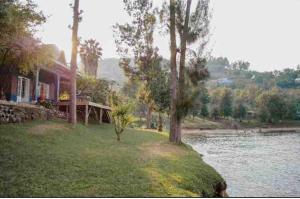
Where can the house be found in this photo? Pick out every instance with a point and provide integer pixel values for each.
(51, 83)
(46, 82)
(225, 81)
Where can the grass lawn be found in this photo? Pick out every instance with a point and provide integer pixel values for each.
(52, 159)
(199, 123)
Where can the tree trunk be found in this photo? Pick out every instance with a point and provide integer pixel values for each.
(183, 42)
(173, 86)
(149, 114)
(118, 137)
(160, 125)
(73, 115)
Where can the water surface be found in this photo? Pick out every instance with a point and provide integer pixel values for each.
(253, 165)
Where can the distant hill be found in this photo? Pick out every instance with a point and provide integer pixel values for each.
(110, 70)
(220, 74)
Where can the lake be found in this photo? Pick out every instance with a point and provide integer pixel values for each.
(254, 164)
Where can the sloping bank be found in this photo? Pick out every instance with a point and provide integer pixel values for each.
(52, 159)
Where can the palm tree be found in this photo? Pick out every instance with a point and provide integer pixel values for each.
(90, 53)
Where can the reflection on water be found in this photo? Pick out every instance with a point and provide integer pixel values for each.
(254, 165)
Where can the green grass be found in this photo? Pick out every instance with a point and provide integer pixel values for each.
(199, 123)
(280, 124)
(52, 159)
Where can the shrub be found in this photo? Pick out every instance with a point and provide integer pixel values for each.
(121, 114)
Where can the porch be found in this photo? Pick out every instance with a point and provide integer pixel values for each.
(87, 110)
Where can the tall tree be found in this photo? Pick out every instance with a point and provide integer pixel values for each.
(90, 53)
(135, 44)
(226, 102)
(174, 137)
(76, 19)
(18, 23)
(160, 93)
(183, 33)
(191, 27)
(240, 65)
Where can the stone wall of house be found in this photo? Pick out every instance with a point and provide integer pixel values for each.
(17, 113)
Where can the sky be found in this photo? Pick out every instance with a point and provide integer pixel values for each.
(265, 33)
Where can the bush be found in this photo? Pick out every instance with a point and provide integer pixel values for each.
(121, 114)
(46, 103)
(271, 106)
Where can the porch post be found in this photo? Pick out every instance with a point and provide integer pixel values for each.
(100, 116)
(86, 120)
(57, 87)
(37, 79)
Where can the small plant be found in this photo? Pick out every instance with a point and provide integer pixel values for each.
(120, 114)
(121, 118)
(48, 104)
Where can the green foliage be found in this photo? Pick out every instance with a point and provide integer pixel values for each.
(199, 21)
(139, 58)
(121, 114)
(135, 40)
(130, 89)
(197, 70)
(215, 112)
(298, 110)
(199, 107)
(240, 65)
(194, 95)
(204, 111)
(47, 104)
(159, 87)
(271, 106)
(226, 103)
(96, 89)
(18, 19)
(144, 95)
(286, 79)
(247, 85)
(240, 111)
(224, 99)
(18, 22)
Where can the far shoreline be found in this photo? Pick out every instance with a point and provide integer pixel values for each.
(242, 131)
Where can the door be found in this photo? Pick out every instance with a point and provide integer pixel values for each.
(23, 91)
(44, 91)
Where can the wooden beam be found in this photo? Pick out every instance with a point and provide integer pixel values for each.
(67, 110)
(86, 120)
(57, 87)
(108, 116)
(83, 103)
(100, 115)
(37, 79)
(95, 112)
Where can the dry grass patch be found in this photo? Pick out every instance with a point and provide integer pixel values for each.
(45, 129)
(167, 183)
(164, 150)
